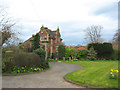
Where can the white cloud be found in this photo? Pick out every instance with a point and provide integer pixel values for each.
(70, 15)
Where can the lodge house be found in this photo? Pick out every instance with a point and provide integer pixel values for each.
(49, 41)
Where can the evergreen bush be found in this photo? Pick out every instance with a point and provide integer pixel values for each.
(27, 59)
(68, 53)
(36, 42)
(82, 54)
(91, 54)
(20, 59)
(42, 53)
(104, 50)
(61, 51)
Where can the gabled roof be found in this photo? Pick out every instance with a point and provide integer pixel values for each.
(81, 48)
(70, 46)
(50, 32)
(27, 42)
(53, 33)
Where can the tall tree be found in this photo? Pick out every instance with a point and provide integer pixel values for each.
(61, 51)
(93, 34)
(36, 42)
(91, 54)
(74, 53)
(67, 52)
(116, 40)
(6, 25)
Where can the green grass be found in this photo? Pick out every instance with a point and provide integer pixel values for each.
(95, 73)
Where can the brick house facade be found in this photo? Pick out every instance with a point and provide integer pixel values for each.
(49, 41)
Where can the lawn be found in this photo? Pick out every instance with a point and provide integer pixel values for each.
(95, 73)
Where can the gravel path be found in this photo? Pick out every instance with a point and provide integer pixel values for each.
(52, 78)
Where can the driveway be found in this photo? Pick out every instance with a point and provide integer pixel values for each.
(52, 78)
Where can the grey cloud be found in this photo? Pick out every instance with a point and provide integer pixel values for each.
(110, 10)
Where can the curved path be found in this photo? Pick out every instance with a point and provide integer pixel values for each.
(52, 78)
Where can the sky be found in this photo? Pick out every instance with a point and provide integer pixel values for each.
(72, 17)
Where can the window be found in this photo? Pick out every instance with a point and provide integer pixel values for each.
(42, 38)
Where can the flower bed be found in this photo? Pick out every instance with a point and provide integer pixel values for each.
(25, 69)
(75, 60)
(113, 74)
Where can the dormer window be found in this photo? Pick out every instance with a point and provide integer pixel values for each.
(42, 38)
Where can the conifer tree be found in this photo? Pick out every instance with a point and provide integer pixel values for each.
(35, 42)
(91, 54)
(61, 51)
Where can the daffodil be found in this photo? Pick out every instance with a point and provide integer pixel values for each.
(111, 70)
(22, 67)
(35, 69)
(117, 71)
(18, 70)
(112, 75)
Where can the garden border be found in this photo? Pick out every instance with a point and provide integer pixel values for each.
(5, 74)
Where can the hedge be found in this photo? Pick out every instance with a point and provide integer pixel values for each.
(104, 50)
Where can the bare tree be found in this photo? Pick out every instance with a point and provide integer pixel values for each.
(116, 40)
(116, 37)
(93, 34)
(6, 25)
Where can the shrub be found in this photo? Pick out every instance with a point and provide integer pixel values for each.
(74, 53)
(104, 50)
(13, 59)
(7, 65)
(107, 50)
(91, 54)
(115, 55)
(70, 52)
(41, 53)
(82, 54)
(61, 51)
(67, 53)
(27, 59)
(7, 61)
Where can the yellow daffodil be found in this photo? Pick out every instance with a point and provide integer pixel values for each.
(111, 70)
(117, 71)
(18, 70)
(112, 75)
(35, 69)
(24, 70)
(22, 67)
(30, 68)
